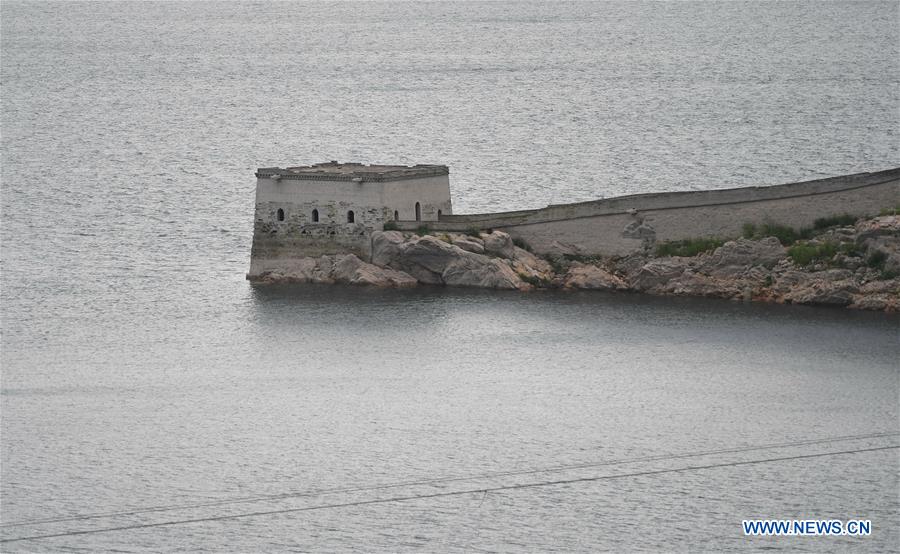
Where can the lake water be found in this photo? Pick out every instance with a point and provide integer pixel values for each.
(140, 370)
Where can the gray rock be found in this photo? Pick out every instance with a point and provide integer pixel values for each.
(351, 270)
(834, 274)
(821, 294)
(304, 270)
(631, 265)
(386, 246)
(878, 226)
(788, 280)
(890, 286)
(426, 258)
(887, 246)
(524, 257)
(469, 245)
(324, 269)
(434, 261)
(697, 284)
(657, 272)
(592, 277)
(744, 252)
(757, 275)
(884, 302)
(849, 262)
(480, 271)
(346, 269)
(499, 243)
(833, 287)
(558, 249)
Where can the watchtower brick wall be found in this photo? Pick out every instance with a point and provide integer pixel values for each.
(333, 208)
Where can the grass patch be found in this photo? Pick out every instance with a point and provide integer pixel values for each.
(851, 249)
(581, 258)
(891, 211)
(834, 221)
(423, 230)
(556, 264)
(785, 235)
(876, 260)
(390, 225)
(688, 247)
(474, 232)
(520, 242)
(788, 235)
(806, 254)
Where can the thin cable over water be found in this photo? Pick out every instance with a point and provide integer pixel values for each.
(319, 492)
(444, 494)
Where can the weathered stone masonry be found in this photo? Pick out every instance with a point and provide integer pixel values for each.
(622, 225)
(333, 208)
(288, 202)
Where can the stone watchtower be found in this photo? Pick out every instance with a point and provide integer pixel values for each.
(333, 208)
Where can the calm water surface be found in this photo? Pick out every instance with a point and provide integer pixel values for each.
(140, 370)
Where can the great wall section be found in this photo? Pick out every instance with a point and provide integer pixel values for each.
(830, 241)
(626, 224)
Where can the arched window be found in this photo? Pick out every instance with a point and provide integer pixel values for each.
(396, 215)
(440, 213)
(315, 216)
(350, 217)
(418, 212)
(280, 214)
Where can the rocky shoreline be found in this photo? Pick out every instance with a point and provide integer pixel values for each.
(852, 264)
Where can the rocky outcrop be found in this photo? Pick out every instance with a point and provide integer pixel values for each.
(386, 246)
(735, 256)
(886, 225)
(436, 261)
(834, 287)
(880, 236)
(657, 272)
(592, 277)
(347, 269)
(862, 272)
(470, 271)
(425, 258)
(690, 283)
(878, 295)
(353, 271)
(499, 244)
(469, 244)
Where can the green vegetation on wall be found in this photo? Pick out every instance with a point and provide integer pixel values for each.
(804, 254)
(834, 221)
(520, 242)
